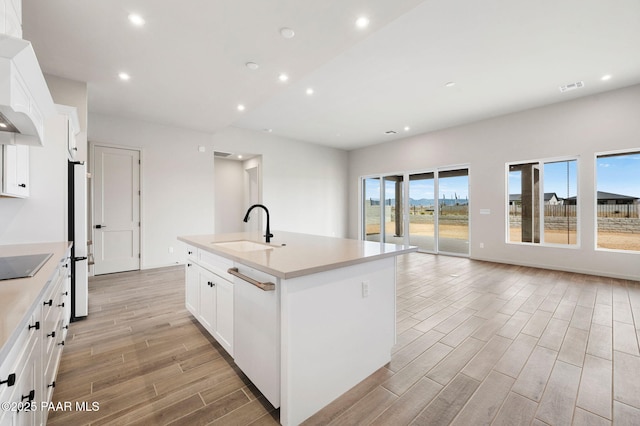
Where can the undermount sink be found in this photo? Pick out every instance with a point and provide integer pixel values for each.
(244, 245)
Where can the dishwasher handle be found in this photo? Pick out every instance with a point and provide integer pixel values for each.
(262, 286)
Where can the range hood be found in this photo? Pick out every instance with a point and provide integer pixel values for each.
(25, 100)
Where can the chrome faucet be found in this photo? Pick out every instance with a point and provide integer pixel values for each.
(268, 233)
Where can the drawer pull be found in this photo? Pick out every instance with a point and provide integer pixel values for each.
(210, 284)
(11, 380)
(61, 305)
(53, 334)
(36, 326)
(52, 385)
(30, 396)
(50, 302)
(262, 286)
(61, 343)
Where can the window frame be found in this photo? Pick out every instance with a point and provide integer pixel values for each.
(596, 156)
(541, 163)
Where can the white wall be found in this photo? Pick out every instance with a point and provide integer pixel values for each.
(304, 185)
(229, 195)
(43, 216)
(582, 127)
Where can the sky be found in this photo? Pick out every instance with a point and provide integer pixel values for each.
(619, 174)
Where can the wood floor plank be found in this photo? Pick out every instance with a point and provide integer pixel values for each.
(446, 406)
(594, 393)
(533, 377)
(404, 409)
(626, 386)
(558, 401)
(486, 401)
(516, 411)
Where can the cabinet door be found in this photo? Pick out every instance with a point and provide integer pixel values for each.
(224, 315)
(208, 283)
(15, 171)
(192, 288)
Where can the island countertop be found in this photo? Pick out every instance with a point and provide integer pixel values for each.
(291, 255)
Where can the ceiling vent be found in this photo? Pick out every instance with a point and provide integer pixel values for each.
(572, 86)
(221, 154)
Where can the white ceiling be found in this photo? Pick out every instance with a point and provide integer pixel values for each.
(187, 63)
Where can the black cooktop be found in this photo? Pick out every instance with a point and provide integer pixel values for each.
(22, 266)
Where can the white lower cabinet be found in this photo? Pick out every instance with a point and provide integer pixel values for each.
(209, 295)
(242, 317)
(27, 374)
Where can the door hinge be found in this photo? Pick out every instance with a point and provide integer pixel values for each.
(139, 162)
(138, 255)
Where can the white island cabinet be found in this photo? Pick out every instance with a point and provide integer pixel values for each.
(312, 316)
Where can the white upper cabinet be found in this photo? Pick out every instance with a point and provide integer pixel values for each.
(15, 171)
(73, 128)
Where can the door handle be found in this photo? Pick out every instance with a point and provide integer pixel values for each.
(100, 226)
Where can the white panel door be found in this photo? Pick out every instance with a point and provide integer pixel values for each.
(116, 210)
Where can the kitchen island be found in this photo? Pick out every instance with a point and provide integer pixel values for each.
(305, 317)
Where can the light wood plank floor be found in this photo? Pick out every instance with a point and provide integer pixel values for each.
(478, 343)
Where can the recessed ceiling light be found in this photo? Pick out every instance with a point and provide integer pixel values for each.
(124, 76)
(4, 126)
(362, 22)
(310, 91)
(287, 32)
(136, 19)
(450, 84)
(239, 157)
(606, 77)
(283, 77)
(252, 66)
(407, 128)
(240, 107)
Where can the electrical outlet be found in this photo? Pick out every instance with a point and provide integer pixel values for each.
(170, 250)
(481, 245)
(365, 289)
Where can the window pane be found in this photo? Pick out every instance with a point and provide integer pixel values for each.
(421, 211)
(560, 202)
(618, 201)
(453, 221)
(393, 211)
(371, 193)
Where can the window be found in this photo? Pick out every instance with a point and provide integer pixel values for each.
(543, 202)
(428, 209)
(618, 201)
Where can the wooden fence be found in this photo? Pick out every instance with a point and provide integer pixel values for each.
(604, 210)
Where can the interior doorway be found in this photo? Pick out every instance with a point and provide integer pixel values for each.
(116, 209)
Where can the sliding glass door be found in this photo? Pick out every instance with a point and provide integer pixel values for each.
(428, 209)
(371, 209)
(422, 209)
(453, 209)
